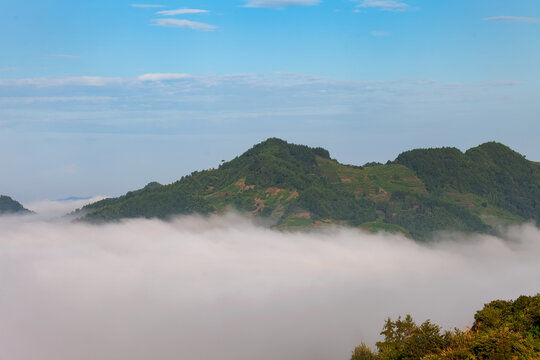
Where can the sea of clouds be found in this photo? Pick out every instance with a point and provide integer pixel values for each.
(225, 288)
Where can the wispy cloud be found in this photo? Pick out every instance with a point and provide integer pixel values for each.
(54, 99)
(63, 81)
(380, 33)
(91, 81)
(163, 76)
(514, 19)
(8, 69)
(181, 12)
(280, 3)
(147, 6)
(184, 108)
(186, 24)
(64, 56)
(385, 5)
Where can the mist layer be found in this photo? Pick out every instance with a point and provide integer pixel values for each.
(221, 287)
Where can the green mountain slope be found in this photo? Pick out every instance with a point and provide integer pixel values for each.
(491, 170)
(10, 206)
(296, 186)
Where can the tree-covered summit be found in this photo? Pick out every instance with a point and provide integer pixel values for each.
(492, 170)
(296, 186)
(275, 162)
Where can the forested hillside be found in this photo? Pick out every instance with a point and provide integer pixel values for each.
(10, 206)
(501, 330)
(492, 170)
(296, 186)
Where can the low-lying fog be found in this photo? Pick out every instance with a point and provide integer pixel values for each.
(224, 288)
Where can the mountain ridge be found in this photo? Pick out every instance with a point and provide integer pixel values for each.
(10, 206)
(421, 192)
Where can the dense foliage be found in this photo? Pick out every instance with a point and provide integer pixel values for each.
(422, 215)
(338, 204)
(422, 192)
(501, 330)
(10, 206)
(491, 170)
(277, 163)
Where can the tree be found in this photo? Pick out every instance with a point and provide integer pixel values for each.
(363, 352)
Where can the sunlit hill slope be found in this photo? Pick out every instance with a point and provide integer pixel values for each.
(296, 186)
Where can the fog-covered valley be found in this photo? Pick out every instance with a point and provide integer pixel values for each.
(223, 287)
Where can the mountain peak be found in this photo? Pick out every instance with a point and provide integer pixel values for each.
(495, 151)
(279, 147)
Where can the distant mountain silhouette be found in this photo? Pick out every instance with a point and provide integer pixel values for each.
(10, 206)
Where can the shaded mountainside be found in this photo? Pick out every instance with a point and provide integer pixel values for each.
(297, 186)
(501, 330)
(10, 206)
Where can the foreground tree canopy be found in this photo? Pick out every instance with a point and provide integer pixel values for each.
(502, 330)
(296, 186)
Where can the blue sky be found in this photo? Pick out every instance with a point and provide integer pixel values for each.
(102, 97)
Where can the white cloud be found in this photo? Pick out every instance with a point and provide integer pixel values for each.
(385, 5)
(514, 19)
(54, 210)
(280, 3)
(163, 76)
(220, 287)
(181, 12)
(380, 33)
(147, 6)
(186, 24)
(8, 69)
(64, 56)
